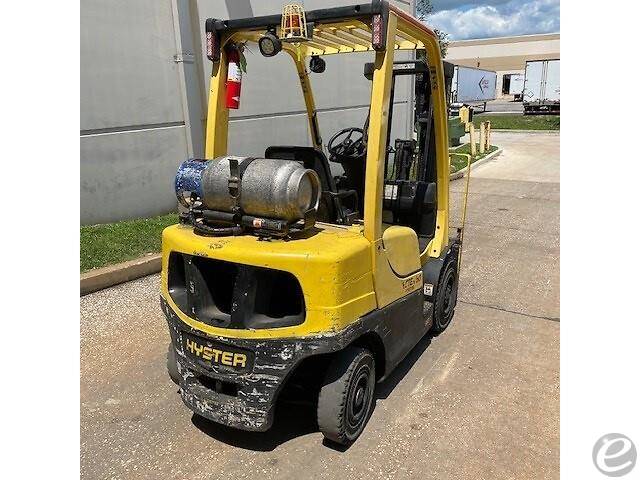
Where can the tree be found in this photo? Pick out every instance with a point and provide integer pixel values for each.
(424, 9)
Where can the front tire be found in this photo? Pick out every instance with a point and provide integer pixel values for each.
(346, 397)
(446, 298)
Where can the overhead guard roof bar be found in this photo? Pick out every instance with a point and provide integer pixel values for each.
(324, 15)
(333, 38)
(348, 36)
(335, 30)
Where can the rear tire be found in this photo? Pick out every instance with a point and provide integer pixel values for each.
(346, 397)
(172, 365)
(446, 298)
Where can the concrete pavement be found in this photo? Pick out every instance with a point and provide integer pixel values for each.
(503, 106)
(480, 401)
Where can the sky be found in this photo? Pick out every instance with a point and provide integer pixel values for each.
(464, 19)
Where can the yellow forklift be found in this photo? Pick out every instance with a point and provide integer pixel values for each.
(281, 273)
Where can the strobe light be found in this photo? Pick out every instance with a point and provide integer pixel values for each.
(269, 44)
(293, 28)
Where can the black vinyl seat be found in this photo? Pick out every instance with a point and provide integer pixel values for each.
(328, 209)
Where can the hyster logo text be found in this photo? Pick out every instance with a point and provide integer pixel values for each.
(218, 356)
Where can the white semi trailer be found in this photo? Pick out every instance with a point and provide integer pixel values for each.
(472, 86)
(516, 85)
(541, 92)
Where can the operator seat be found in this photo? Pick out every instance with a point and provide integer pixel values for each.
(315, 160)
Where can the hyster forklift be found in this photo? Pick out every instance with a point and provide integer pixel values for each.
(281, 272)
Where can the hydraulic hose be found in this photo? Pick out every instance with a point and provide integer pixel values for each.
(208, 231)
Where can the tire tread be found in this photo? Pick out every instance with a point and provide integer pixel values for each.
(334, 392)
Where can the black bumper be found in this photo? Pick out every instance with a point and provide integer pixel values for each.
(244, 400)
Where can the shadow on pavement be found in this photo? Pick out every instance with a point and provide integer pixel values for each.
(384, 389)
(294, 420)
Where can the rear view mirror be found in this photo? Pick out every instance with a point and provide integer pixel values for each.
(317, 64)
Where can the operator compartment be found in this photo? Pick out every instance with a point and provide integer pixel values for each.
(410, 178)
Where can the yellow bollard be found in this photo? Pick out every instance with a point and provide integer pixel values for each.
(472, 139)
(483, 136)
(463, 113)
(487, 135)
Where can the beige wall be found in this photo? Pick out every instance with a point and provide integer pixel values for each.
(504, 55)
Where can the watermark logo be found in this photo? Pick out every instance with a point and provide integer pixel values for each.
(614, 455)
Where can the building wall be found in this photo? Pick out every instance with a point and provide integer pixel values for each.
(504, 55)
(129, 139)
(144, 84)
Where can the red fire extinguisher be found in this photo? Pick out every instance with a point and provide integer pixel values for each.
(234, 79)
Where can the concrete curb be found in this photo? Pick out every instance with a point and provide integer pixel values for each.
(460, 173)
(514, 130)
(101, 278)
(453, 149)
(509, 112)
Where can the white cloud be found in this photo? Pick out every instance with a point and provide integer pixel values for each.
(516, 17)
(455, 4)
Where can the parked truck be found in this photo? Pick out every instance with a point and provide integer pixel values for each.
(541, 92)
(472, 86)
(516, 85)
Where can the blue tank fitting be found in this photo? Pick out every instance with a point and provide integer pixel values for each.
(189, 179)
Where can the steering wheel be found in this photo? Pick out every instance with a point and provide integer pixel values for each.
(344, 148)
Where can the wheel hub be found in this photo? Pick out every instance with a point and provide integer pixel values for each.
(359, 398)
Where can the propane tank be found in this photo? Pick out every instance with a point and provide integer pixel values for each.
(234, 79)
(269, 188)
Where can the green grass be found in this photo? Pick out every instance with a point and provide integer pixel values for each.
(519, 122)
(102, 245)
(458, 162)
